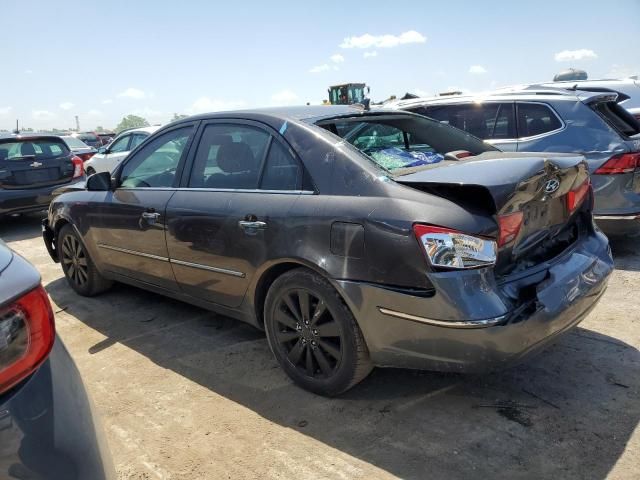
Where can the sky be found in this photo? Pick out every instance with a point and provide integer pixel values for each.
(103, 60)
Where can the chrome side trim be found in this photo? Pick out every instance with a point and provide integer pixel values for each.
(488, 322)
(617, 217)
(132, 252)
(208, 268)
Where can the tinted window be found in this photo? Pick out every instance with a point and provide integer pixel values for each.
(282, 171)
(156, 164)
(33, 148)
(229, 156)
(488, 120)
(120, 145)
(73, 142)
(536, 119)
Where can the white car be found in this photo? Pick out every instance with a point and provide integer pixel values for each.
(110, 156)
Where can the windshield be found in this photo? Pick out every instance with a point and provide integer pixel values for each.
(403, 141)
(33, 148)
(73, 142)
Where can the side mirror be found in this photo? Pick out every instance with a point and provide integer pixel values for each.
(103, 150)
(99, 182)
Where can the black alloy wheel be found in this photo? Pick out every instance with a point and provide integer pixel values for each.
(313, 334)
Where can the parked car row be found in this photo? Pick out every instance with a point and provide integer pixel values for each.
(544, 118)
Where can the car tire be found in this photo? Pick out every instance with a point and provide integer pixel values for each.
(78, 267)
(313, 334)
(90, 171)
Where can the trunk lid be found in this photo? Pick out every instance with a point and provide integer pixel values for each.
(31, 162)
(499, 184)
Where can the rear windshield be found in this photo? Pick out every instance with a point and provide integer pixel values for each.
(33, 148)
(88, 137)
(618, 118)
(403, 141)
(74, 142)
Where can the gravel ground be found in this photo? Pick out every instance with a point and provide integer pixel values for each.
(188, 394)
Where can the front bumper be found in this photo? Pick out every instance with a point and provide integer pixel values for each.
(48, 236)
(471, 324)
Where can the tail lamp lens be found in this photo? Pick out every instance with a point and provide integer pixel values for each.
(77, 166)
(452, 249)
(26, 337)
(618, 164)
(510, 226)
(576, 196)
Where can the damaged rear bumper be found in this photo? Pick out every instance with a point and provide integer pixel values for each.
(471, 323)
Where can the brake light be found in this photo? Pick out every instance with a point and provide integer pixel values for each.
(26, 337)
(576, 196)
(622, 163)
(452, 249)
(510, 226)
(77, 166)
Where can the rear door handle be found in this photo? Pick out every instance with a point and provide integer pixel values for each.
(150, 217)
(256, 225)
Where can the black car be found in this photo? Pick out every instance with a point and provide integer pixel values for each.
(47, 428)
(354, 238)
(31, 168)
(90, 138)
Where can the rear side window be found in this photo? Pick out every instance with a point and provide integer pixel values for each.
(536, 119)
(229, 156)
(486, 120)
(137, 139)
(35, 148)
(281, 171)
(618, 118)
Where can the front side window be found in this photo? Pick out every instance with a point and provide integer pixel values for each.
(120, 145)
(156, 164)
(229, 156)
(536, 119)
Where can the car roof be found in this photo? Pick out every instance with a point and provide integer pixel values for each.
(29, 137)
(150, 129)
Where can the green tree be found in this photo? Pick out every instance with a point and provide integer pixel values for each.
(178, 116)
(131, 121)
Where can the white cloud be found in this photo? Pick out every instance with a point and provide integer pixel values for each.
(572, 55)
(107, 101)
(42, 115)
(383, 41)
(5, 110)
(319, 68)
(67, 105)
(370, 54)
(133, 93)
(477, 69)
(206, 104)
(94, 113)
(337, 58)
(284, 97)
(622, 71)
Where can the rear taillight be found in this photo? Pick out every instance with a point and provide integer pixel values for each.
(510, 226)
(448, 248)
(576, 196)
(622, 163)
(26, 337)
(77, 167)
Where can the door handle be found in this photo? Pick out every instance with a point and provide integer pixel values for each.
(248, 225)
(150, 217)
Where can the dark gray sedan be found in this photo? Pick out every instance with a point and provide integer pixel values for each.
(354, 238)
(47, 429)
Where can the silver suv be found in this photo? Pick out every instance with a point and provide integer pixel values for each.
(548, 119)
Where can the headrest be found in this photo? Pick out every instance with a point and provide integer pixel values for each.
(235, 158)
(27, 149)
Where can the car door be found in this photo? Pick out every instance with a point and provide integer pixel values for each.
(228, 217)
(129, 223)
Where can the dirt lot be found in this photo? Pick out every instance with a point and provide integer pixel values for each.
(186, 394)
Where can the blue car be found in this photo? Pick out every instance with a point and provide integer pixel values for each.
(47, 427)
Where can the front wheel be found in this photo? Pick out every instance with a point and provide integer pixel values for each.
(313, 334)
(77, 265)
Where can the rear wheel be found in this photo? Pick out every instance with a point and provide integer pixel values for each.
(90, 170)
(78, 268)
(313, 334)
